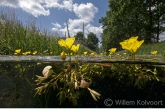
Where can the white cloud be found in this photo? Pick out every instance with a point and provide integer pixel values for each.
(76, 25)
(38, 7)
(61, 4)
(10, 3)
(85, 11)
(57, 26)
(33, 7)
(85, 14)
(96, 30)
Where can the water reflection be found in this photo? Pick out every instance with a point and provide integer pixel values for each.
(141, 59)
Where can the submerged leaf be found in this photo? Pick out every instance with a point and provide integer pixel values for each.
(94, 94)
(62, 96)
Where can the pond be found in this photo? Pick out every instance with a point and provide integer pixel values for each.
(117, 79)
(140, 59)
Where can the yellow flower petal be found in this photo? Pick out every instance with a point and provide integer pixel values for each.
(35, 52)
(18, 51)
(75, 48)
(85, 53)
(67, 43)
(24, 53)
(61, 42)
(92, 54)
(131, 44)
(154, 52)
(112, 50)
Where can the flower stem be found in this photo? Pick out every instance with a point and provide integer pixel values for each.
(133, 59)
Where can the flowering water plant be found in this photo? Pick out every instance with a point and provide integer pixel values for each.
(112, 50)
(71, 75)
(132, 44)
(154, 52)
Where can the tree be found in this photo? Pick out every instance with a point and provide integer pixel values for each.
(79, 36)
(159, 17)
(126, 18)
(92, 41)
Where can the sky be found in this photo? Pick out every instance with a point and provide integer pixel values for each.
(53, 14)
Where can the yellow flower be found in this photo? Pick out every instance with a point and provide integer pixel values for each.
(24, 53)
(15, 53)
(131, 44)
(18, 51)
(85, 53)
(67, 43)
(154, 52)
(75, 48)
(124, 53)
(101, 54)
(28, 52)
(112, 50)
(35, 52)
(63, 55)
(92, 54)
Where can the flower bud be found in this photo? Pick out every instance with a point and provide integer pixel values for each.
(63, 56)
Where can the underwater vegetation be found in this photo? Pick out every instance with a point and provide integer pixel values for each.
(73, 76)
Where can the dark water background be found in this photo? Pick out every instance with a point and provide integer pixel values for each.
(16, 92)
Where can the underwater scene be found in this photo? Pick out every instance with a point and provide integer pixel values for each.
(87, 81)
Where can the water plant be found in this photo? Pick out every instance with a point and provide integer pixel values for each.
(154, 52)
(112, 50)
(132, 44)
(69, 78)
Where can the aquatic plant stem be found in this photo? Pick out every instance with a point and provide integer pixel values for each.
(133, 59)
(46, 105)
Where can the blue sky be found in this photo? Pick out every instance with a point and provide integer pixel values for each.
(52, 14)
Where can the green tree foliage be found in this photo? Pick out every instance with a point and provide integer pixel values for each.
(127, 18)
(92, 41)
(79, 36)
